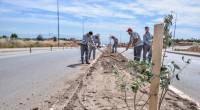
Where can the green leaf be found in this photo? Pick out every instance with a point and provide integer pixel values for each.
(177, 67)
(177, 77)
(172, 62)
(188, 61)
(122, 86)
(163, 69)
(183, 58)
(143, 79)
(135, 88)
(169, 82)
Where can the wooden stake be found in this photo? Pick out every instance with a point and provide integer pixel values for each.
(157, 55)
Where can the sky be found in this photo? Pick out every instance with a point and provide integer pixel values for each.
(106, 17)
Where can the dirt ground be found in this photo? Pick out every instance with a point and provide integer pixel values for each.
(194, 49)
(17, 43)
(95, 89)
(191, 49)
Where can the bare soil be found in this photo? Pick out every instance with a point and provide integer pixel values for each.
(17, 43)
(194, 49)
(191, 49)
(95, 89)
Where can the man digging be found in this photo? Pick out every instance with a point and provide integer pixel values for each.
(137, 42)
(96, 43)
(114, 47)
(87, 40)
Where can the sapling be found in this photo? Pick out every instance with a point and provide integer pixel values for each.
(142, 72)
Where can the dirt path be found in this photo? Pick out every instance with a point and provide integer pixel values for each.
(96, 90)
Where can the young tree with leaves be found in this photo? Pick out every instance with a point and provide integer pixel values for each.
(142, 72)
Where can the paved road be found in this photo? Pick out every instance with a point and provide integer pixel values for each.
(27, 80)
(189, 78)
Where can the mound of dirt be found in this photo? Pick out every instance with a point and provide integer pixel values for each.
(96, 90)
(194, 49)
(191, 49)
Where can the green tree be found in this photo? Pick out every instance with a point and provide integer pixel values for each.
(14, 36)
(54, 38)
(40, 37)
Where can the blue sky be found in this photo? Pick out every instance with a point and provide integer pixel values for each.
(103, 16)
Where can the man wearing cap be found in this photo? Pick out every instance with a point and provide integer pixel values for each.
(135, 41)
(87, 40)
(147, 38)
(114, 47)
(96, 43)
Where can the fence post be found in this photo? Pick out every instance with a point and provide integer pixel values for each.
(157, 55)
(51, 48)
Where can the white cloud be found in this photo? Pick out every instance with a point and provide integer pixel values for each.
(39, 21)
(157, 20)
(111, 15)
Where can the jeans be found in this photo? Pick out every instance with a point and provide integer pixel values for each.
(114, 48)
(147, 49)
(92, 49)
(84, 51)
(137, 52)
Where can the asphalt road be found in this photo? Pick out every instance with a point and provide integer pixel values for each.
(189, 78)
(27, 80)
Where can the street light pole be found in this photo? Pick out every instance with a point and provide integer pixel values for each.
(58, 22)
(85, 18)
(175, 24)
(174, 29)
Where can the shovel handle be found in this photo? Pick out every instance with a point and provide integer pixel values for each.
(123, 51)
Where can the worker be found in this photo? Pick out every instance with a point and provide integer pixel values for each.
(87, 40)
(147, 48)
(136, 42)
(96, 43)
(115, 43)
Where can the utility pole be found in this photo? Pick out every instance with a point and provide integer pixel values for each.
(58, 22)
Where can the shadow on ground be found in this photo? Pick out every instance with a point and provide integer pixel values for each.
(74, 65)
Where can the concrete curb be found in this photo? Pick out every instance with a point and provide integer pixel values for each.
(57, 106)
(182, 53)
(182, 95)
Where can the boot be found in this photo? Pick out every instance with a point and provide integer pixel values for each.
(87, 61)
(82, 60)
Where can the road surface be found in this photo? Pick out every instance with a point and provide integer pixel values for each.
(189, 78)
(27, 80)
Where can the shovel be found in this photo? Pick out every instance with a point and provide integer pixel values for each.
(122, 52)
